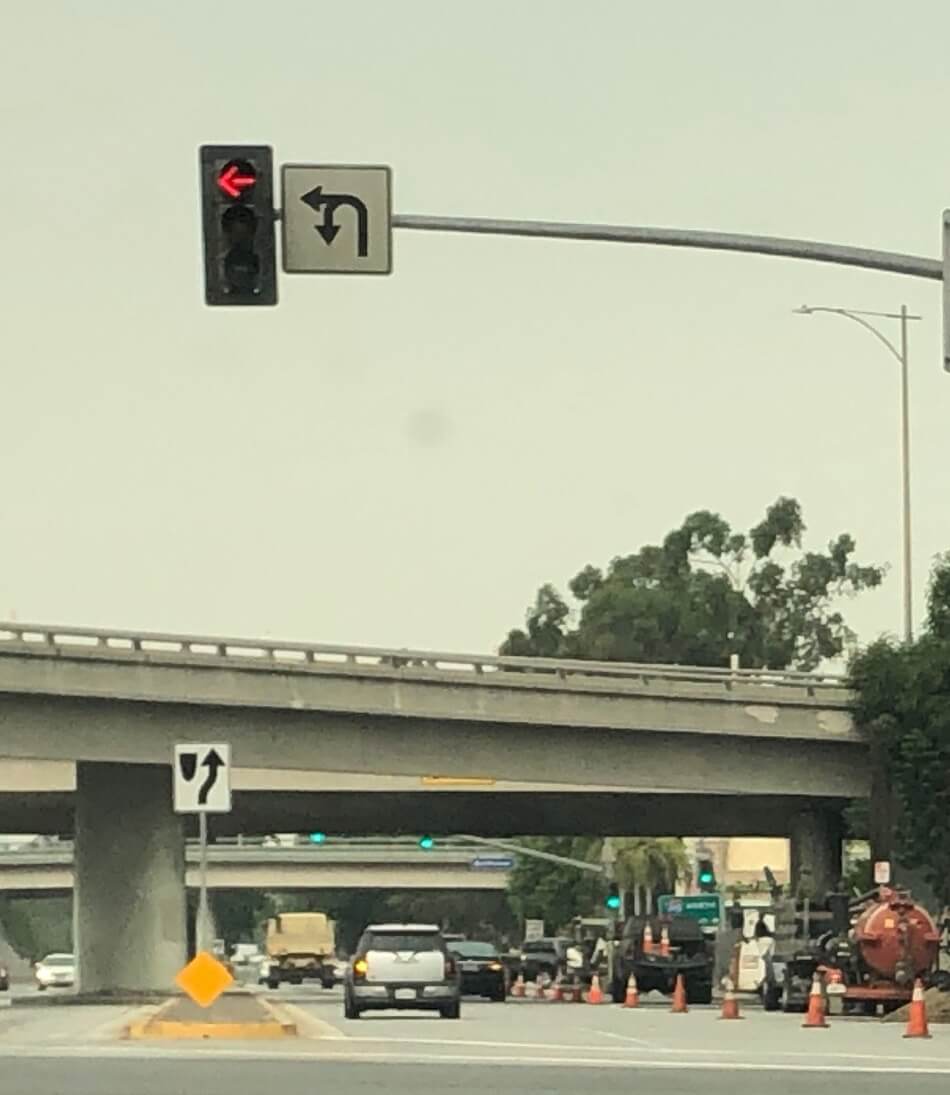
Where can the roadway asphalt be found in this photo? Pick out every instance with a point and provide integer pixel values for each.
(516, 1047)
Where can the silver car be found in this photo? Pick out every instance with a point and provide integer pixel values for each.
(403, 966)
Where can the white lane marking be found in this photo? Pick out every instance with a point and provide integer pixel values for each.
(626, 1038)
(633, 1043)
(627, 1063)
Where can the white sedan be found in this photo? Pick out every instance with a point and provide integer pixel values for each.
(55, 971)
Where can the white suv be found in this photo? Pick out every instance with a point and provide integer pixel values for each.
(405, 966)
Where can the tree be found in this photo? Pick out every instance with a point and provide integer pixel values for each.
(649, 865)
(705, 593)
(541, 890)
(903, 700)
(239, 915)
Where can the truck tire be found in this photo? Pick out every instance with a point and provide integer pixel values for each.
(273, 982)
(327, 982)
(451, 1011)
(698, 991)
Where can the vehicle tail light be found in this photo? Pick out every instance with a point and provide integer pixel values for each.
(495, 966)
(360, 967)
(449, 965)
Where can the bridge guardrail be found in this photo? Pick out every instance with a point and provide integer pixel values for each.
(47, 640)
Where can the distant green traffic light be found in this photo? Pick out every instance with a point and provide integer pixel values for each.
(318, 838)
(706, 875)
(426, 842)
(613, 900)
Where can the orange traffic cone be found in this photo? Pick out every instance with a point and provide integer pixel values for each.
(730, 1005)
(595, 994)
(664, 940)
(917, 1020)
(679, 997)
(647, 939)
(517, 989)
(539, 989)
(632, 999)
(815, 1016)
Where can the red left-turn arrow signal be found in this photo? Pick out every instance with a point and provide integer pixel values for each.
(232, 181)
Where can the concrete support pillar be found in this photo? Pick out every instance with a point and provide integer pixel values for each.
(129, 907)
(815, 840)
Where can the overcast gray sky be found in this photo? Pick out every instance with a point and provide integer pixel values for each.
(403, 460)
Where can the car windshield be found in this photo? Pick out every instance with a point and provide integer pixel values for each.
(403, 941)
(473, 950)
(538, 946)
(58, 960)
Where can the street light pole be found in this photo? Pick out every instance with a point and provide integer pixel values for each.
(903, 316)
(905, 462)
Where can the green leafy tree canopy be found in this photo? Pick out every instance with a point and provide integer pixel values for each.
(903, 700)
(703, 594)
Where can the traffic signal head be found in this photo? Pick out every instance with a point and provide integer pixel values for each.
(318, 838)
(426, 842)
(613, 900)
(706, 875)
(237, 212)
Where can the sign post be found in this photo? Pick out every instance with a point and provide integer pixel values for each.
(202, 786)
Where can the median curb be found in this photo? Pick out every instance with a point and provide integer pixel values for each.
(307, 1025)
(164, 1023)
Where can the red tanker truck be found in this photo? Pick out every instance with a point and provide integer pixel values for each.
(877, 947)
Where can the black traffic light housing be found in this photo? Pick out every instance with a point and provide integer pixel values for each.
(613, 899)
(706, 876)
(237, 215)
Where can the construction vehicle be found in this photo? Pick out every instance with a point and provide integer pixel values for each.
(300, 946)
(656, 950)
(877, 945)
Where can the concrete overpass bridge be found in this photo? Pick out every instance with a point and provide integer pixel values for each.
(668, 749)
(384, 865)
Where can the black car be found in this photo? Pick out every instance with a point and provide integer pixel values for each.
(544, 956)
(480, 969)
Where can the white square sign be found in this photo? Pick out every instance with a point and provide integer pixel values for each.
(882, 872)
(336, 219)
(202, 778)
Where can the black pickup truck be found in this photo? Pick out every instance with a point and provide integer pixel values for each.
(689, 955)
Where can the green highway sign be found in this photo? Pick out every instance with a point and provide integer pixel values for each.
(704, 907)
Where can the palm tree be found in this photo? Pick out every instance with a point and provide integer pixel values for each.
(645, 865)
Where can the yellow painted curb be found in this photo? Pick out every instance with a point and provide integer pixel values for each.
(157, 1027)
(168, 1029)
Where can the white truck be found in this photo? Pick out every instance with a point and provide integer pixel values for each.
(300, 946)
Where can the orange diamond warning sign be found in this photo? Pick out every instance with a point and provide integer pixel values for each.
(204, 979)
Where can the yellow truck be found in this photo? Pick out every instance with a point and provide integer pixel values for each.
(300, 946)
